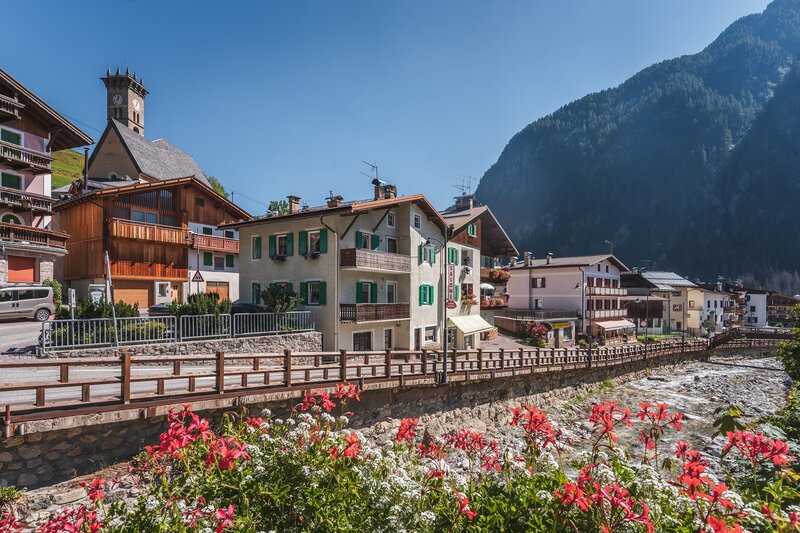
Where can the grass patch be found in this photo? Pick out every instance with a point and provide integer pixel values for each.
(607, 385)
(9, 495)
(67, 167)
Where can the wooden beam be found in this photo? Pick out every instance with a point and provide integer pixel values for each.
(385, 213)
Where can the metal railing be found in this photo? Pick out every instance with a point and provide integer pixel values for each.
(100, 332)
(253, 324)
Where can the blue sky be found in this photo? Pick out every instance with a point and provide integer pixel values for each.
(288, 98)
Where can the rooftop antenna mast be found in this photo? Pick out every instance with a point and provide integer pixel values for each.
(373, 168)
(466, 185)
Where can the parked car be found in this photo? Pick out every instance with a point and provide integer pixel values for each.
(239, 308)
(26, 301)
(158, 310)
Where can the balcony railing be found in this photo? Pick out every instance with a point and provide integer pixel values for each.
(373, 260)
(219, 244)
(538, 314)
(25, 200)
(358, 313)
(21, 157)
(129, 269)
(606, 291)
(606, 313)
(127, 229)
(9, 107)
(27, 234)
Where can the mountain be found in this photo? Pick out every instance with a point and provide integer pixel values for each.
(645, 164)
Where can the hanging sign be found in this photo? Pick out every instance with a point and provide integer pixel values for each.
(197, 277)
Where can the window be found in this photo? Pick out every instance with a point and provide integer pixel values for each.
(313, 292)
(452, 256)
(451, 337)
(598, 268)
(12, 181)
(537, 303)
(417, 221)
(6, 296)
(255, 295)
(362, 342)
(229, 234)
(162, 289)
(208, 259)
(256, 247)
(200, 202)
(390, 220)
(426, 294)
(466, 257)
(391, 245)
(363, 240)
(229, 260)
(11, 136)
(691, 304)
(365, 292)
(430, 334)
(387, 339)
(708, 304)
(606, 269)
(10, 218)
(148, 217)
(208, 231)
(427, 254)
(472, 230)
(219, 263)
(314, 242)
(391, 292)
(538, 283)
(752, 308)
(282, 245)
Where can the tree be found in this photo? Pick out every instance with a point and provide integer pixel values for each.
(278, 206)
(217, 186)
(789, 351)
(279, 299)
(709, 326)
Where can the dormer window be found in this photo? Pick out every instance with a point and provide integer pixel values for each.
(112, 175)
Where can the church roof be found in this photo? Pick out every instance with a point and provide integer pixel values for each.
(158, 159)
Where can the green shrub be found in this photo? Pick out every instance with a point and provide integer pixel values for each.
(208, 303)
(102, 309)
(58, 292)
(789, 351)
(279, 299)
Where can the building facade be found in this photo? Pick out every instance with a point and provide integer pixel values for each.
(30, 130)
(779, 309)
(362, 268)
(755, 315)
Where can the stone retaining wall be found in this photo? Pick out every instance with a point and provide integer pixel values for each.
(297, 342)
(95, 441)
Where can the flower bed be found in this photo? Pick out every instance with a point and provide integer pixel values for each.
(311, 473)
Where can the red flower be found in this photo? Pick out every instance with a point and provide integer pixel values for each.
(538, 429)
(224, 518)
(10, 524)
(255, 422)
(572, 495)
(757, 448)
(467, 440)
(348, 391)
(607, 416)
(407, 430)
(720, 525)
(463, 506)
(93, 489)
(351, 450)
(225, 451)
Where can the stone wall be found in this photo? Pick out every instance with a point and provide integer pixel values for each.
(56, 451)
(297, 342)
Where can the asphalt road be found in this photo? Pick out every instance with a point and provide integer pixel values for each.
(19, 337)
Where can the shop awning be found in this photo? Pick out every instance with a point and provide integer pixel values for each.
(487, 286)
(470, 324)
(618, 323)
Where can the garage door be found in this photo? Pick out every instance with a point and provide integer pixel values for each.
(21, 269)
(132, 292)
(218, 287)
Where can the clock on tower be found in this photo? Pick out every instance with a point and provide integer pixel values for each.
(125, 97)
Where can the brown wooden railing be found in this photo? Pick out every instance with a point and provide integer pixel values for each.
(132, 270)
(357, 313)
(374, 260)
(606, 291)
(10, 107)
(220, 244)
(127, 229)
(606, 313)
(20, 233)
(22, 157)
(26, 200)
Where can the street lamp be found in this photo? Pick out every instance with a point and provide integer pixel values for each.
(443, 307)
(587, 298)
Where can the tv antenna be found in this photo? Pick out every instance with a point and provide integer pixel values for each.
(373, 169)
(466, 185)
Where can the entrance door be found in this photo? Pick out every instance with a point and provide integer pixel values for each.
(21, 269)
(218, 287)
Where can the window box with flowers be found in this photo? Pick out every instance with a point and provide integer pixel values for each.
(499, 274)
(469, 300)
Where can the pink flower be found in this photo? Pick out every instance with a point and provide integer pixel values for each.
(224, 518)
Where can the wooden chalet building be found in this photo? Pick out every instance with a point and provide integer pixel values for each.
(30, 130)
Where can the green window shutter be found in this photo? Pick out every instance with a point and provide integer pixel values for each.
(11, 137)
(302, 246)
(358, 239)
(430, 300)
(323, 293)
(455, 292)
(208, 259)
(257, 248)
(12, 182)
(373, 293)
(229, 260)
(304, 291)
(323, 241)
(290, 244)
(271, 245)
(419, 254)
(290, 287)
(256, 296)
(422, 295)
(359, 300)
(376, 242)
(455, 256)
(434, 253)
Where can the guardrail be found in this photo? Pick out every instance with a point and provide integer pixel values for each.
(100, 332)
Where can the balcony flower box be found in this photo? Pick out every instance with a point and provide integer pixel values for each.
(499, 274)
(469, 300)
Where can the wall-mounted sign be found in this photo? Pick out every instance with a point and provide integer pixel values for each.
(561, 325)
(451, 304)
(451, 282)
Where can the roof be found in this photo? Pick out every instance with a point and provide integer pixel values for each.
(348, 208)
(495, 241)
(132, 187)
(159, 159)
(578, 261)
(614, 323)
(665, 281)
(66, 134)
(469, 324)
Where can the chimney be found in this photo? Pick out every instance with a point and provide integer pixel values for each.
(549, 258)
(527, 258)
(390, 191)
(294, 203)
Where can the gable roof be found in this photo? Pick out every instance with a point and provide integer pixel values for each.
(67, 134)
(134, 187)
(158, 159)
(348, 208)
(578, 261)
(495, 241)
(666, 281)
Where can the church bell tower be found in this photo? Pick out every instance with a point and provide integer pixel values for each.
(125, 96)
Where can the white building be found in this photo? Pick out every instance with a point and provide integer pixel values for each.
(715, 304)
(217, 253)
(755, 315)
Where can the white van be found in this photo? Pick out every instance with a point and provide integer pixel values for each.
(26, 301)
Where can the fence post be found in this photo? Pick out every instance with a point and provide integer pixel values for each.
(454, 357)
(287, 365)
(388, 363)
(424, 362)
(220, 372)
(343, 364)
(125, 374)
(502, 358)
(480, 359)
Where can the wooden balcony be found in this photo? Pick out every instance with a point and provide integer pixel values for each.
(15, 198)
(22, 158)
(606, 313)
(139, 231)
(17, 233)
(606, 291)
(131, 270)
(360, 313)
(9, 108)
(371, 260)
(217, 244)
